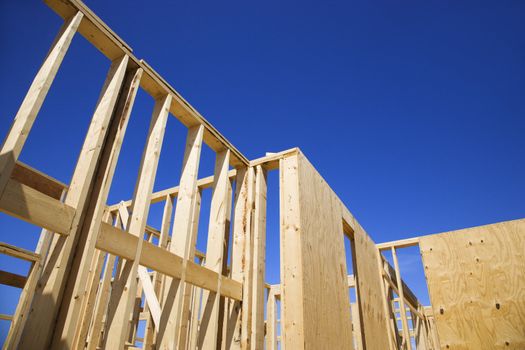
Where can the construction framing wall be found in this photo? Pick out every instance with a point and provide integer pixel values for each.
(99, 269)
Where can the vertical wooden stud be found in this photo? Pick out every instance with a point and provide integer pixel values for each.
(125, 287)
(406, 334)
(259, 259)
(271, 320)
(26, 115)
(239, 268)
(174, 321)
(211, 323)
(246, 314)
(48, 296)
(150, 331)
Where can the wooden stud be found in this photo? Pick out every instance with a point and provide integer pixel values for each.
(47, 299)
(125, 287)
(239, 261)
(150, 331)
(259, 259)
(271, 321)
(406, 335)
(76, 301)
(174, 328)
(26, 115)
(211, 323)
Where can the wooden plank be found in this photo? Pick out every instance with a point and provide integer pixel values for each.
(292, 314)
(12, 279)
(18, 252)
(313, 257)
(6, 317)
(259, 259)
(26, 115)
(158, 279)
(149, 293)
(30, 205)
(476, 279)
(109, 122)
(174, 329)
(391, 275)
(101, 304)
(240, 261)
(124, 288)
(41, 182)
(403, 243)
(407, 343)
(48, 297)
(145, 282)
(38, 259)
(220, 210)
(195, 321)
(271, 321)
(271, 160)
(115, 241)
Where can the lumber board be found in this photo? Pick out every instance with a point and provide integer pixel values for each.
(27, 113)
(402, 306)
(271, 321)
(44, 314)
(259, 259)
(240, 261)
(30, 205)
(175, 330)
(210, 333)
(158, 279)
(125, 288)
(76, 306)
(118, 242)
(476, 281)
(41, 182)
(12, 279)
(17, 252)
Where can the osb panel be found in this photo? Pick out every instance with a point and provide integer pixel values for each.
(476, 280)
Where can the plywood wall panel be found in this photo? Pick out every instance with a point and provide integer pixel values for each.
(313, 239)
(476, 280)
(370, 291)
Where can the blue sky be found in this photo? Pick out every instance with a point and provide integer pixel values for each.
(412, 111)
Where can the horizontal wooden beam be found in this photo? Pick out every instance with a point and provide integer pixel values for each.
(402, 243)
(271, 160)
(118, 242)
(33, 206)
(112, 46)
(12, 279)
(6, 317)
(16, 252)
(41, 182)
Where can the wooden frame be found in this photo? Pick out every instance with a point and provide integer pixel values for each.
(99, 270)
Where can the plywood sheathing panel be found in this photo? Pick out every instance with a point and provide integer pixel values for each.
(476, 281)
(314, 276)
(370, 291)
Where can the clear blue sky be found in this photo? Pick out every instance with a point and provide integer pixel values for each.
(412, 111)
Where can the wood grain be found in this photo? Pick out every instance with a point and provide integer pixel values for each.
(476, 280)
